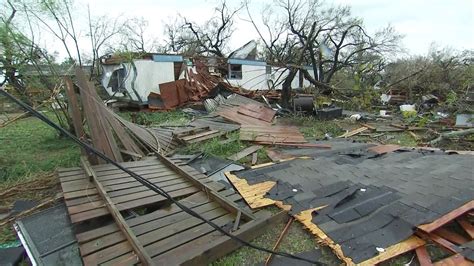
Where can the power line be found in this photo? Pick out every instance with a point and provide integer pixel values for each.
(144, 181)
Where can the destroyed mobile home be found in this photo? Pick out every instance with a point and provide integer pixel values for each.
(367, 202)
(143, 80)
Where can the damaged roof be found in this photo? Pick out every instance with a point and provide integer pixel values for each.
(372, 200)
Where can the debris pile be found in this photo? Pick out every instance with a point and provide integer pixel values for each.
(367, 202)
(370, 203)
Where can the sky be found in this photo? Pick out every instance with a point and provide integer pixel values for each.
(446, 23)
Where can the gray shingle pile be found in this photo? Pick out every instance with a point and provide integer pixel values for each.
(374, 201)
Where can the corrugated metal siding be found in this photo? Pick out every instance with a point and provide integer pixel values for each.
(167, 58)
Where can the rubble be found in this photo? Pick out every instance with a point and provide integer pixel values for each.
(368, 202)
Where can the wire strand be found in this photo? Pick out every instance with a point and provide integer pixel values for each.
(146, 182)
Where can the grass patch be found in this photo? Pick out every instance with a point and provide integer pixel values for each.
(169, 118)
(30, 147)
(315, 128)
(402, 139)
(215, 148)
(297, 240)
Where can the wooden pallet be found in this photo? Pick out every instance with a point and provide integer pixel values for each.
(198, 134)
(167, 235)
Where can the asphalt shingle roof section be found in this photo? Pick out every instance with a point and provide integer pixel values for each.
(374, 201)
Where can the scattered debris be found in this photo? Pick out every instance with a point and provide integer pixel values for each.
(245, 152)
(370, 203)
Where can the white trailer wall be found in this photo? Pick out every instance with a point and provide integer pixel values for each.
(147, 77)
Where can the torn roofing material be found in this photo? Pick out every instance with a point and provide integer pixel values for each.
(372, 201)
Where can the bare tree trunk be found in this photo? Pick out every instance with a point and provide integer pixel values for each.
(286, 88)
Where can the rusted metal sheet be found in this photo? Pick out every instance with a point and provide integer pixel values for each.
(271, 134)
(257, 111)
(231, 113)
(172, 94)
(382, 149)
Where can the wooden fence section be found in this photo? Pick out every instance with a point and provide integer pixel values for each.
(167, 234)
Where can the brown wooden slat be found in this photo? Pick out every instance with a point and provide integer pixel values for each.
(80, 193)
(467, 226)
(207, 248)
(451, 236)
(127, 259)
(84, 216)
(135, 189)
(423, 256)
(117, 237)
(107, 254)
(247, 151)
(215, 135)
(96, 233)
(172, 219)
(186, 236)
(447, 218)
(98, 212)
(187, 138)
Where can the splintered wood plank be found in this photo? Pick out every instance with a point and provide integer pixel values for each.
(215, 135)
(443, 243)
(97, 135)
(467, 226)
(353, 132)
(244, 152)
(447, 218)
(254, 195)
(75, 111)
(451, 236)
(202, 134)
(423, 256)
(407, 245)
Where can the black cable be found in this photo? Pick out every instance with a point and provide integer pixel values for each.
(144, 181)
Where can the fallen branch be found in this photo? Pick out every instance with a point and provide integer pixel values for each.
(451, 134)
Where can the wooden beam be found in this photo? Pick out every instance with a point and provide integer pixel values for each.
(74, 111)
(445, 244)
(467, 226)
(407, 245)
(214, 195)
(447, 218)
(254, 158)
(455, 260)
(280, 238)
(423, 256)
(451, 236)
(217, 247)
(247, 151)
(353, 132)
(145, 259)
